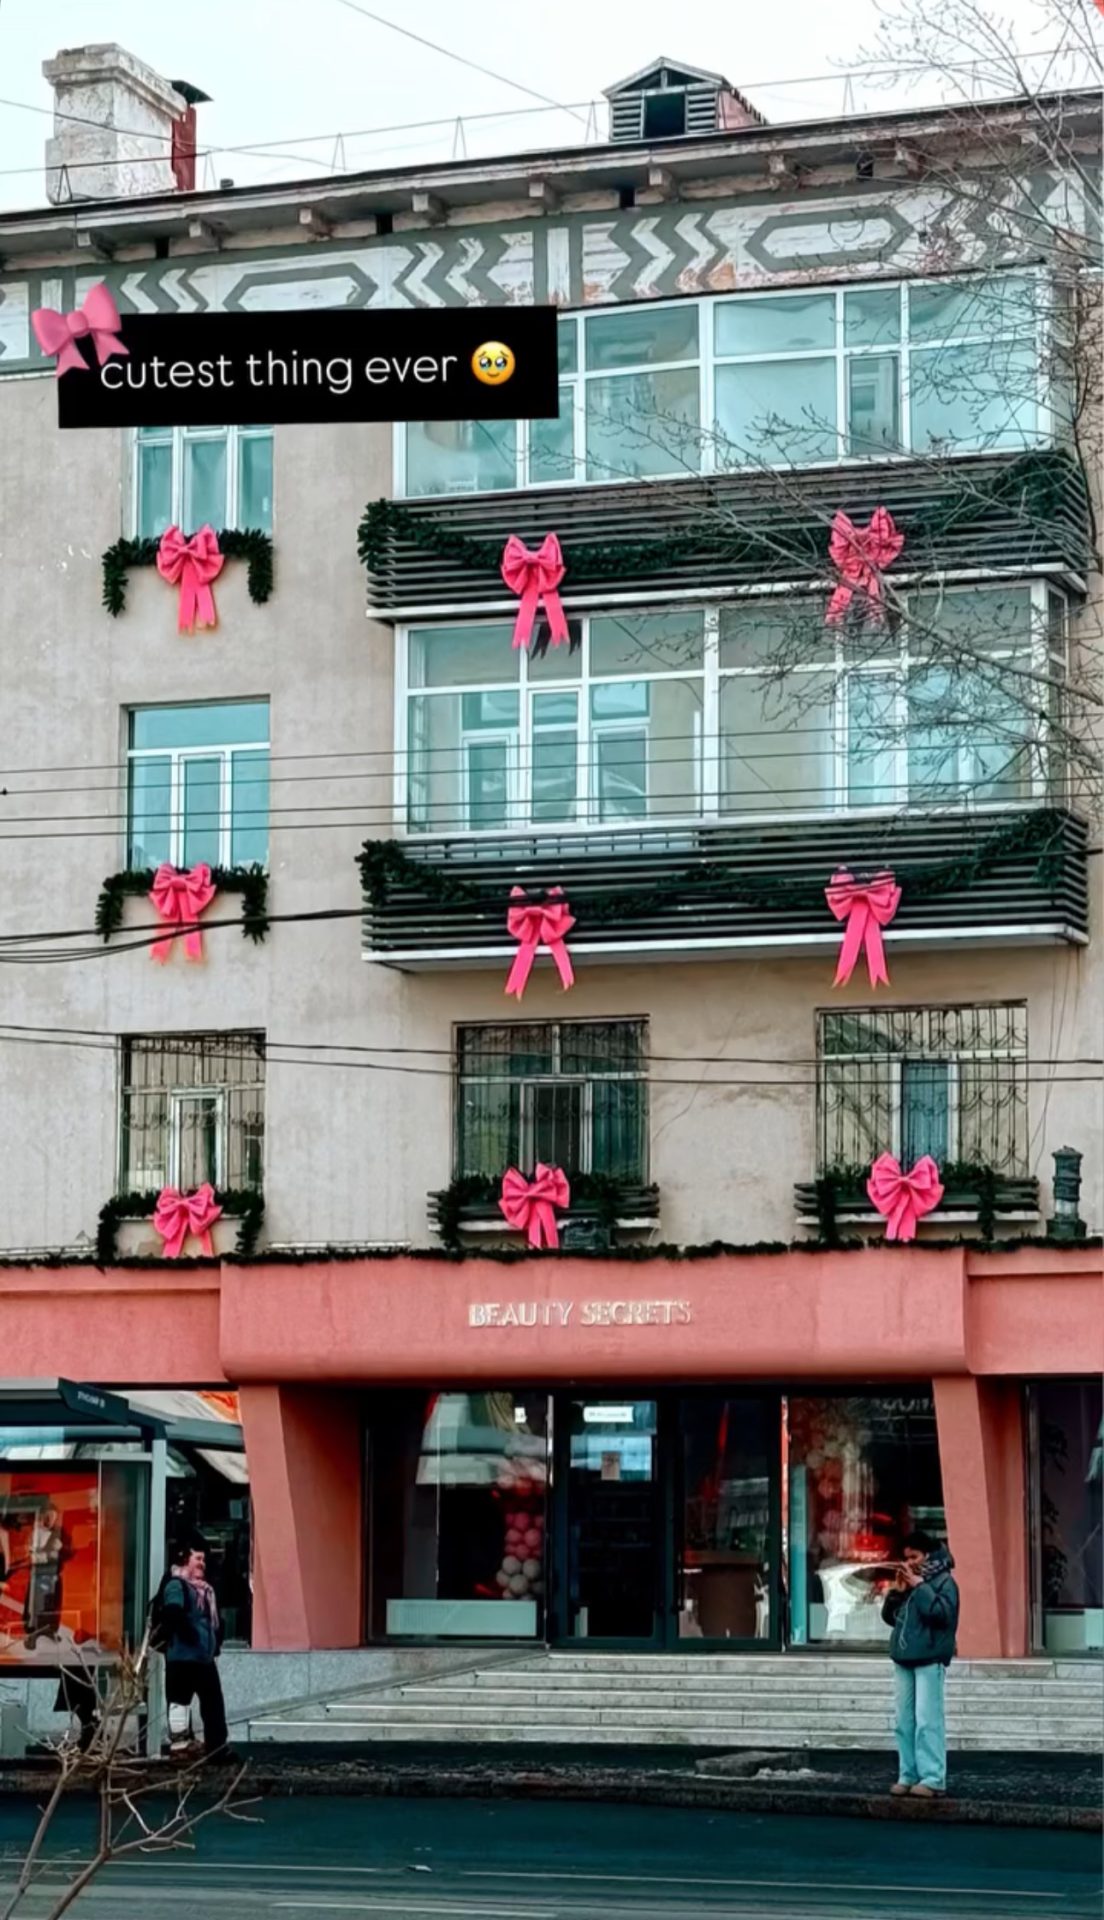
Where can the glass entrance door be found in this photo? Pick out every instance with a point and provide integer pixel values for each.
(610, 1534)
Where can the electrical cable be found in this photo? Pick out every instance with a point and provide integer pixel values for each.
(278, 1053)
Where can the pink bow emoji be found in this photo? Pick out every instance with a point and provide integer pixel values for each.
(904, 1198)
(535, 576)
(180, 898)
(528, 1204)
(98, 318)
(177, 1215)
(867, 906)
(195, 563)
(536, 926)
(860, 554)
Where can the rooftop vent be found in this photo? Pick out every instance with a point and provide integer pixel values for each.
(665, 101)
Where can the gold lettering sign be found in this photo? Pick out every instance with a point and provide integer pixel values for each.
(588, 1313)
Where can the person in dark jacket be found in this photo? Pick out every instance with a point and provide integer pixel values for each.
(191, 1638)
(922, 1609)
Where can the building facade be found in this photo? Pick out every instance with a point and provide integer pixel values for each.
(707, 1420)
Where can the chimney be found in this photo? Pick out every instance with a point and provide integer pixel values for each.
(131, 132)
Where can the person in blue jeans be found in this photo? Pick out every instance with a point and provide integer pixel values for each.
(922, 1610)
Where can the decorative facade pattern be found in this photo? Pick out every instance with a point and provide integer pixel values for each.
(572, 260)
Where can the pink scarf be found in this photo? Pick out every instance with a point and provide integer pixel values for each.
(204, 1593)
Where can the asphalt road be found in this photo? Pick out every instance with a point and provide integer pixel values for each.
(321, 1859)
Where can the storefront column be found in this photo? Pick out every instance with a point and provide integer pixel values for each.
(981, 1451)
(303, 1445)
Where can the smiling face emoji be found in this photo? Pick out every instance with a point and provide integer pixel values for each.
(493, 363)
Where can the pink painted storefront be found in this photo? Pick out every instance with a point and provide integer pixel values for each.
(715, 1451)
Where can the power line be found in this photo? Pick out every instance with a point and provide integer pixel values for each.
(461, 59)
(277, 1054)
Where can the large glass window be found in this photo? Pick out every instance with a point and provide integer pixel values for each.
(192, 1110)
(775, 379)
(198, 784)
(610, 731)
(863, 1472)
(940, 703)
(71, 1586)
(202, 476)
(754, 707)
(458, 1500)
(728, 1460)
(572, 1093)
(1068, 1501)
(947, 1081)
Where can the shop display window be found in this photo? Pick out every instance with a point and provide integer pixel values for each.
(458, 1493)
(69, 1558)
(863, 1472)
(1067, 1428)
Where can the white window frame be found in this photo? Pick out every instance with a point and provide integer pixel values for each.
(705, 744)
(1046, 425)
(176, 438)
(178, 758)
(179, 1098)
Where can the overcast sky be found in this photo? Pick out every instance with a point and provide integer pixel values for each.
(283, 71)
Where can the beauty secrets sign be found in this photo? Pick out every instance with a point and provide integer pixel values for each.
(332, 365)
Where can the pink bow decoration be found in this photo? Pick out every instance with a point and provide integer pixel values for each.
(180, 898)
(195, 563)
(860, 555)
(536, 576)
(528, 1204)
(904, 1198)
(867, 906)
(177, 1215)
(97, 318)
(536, 926)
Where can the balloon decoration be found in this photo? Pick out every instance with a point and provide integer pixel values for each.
(521, 1483)
(830, 1439)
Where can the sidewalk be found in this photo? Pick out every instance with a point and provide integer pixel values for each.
(1010, 1790)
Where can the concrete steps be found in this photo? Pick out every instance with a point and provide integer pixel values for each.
(769, 1700)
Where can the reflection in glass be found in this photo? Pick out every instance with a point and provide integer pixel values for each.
(787, 413)
(1070, 1494)
(728, 1451)
(459, 1484)
(862, 1473)
(460, 456)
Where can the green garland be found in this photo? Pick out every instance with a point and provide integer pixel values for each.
(248, 544)
(239, 1203)
(510, 1256)
(250, 882)
(1034, 485)
(387, 864)
(598, 1195)
(840, 1189)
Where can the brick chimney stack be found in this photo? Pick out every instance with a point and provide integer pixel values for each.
(126, 127)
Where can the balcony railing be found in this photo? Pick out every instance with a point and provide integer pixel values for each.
(992, 512)
(698, 892)
(994, 1199)
(459, 1216)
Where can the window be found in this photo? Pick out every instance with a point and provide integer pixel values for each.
(571, 1093)
(192, 1110)
(944, 706)
(198, 785)
(458, 1503)
(776, 379)
(1067, 1502)
(863, 1472)
(751, 708)
(611, 731)
(202, 476)
(947, 1081)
